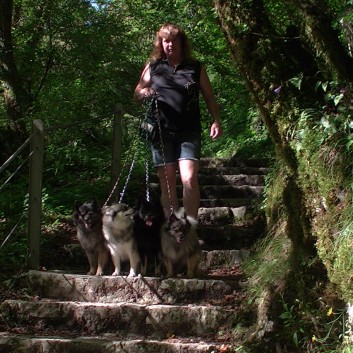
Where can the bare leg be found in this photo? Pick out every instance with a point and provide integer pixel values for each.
(168, 171)
(191, 191)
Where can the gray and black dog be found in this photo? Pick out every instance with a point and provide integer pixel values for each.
(118, 231)
(87, 218)
(180, 245)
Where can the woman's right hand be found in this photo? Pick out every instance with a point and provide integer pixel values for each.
(146, 93)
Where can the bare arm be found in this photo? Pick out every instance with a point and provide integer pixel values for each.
(143, 88)
(212, 106)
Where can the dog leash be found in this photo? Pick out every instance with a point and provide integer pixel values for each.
(171, 208)
(147, 177)
(118, 179)
(117, 182)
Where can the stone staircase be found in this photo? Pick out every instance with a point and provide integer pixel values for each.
(62, 312)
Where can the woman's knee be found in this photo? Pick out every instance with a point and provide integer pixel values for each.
(189, 178)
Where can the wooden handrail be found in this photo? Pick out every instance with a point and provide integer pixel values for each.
(35, 194)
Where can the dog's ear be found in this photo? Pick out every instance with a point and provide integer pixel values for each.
(95, 205)
(172, 218)
(78, 204)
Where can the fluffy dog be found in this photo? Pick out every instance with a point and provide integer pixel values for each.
(119, 235)
(180, 245)
(148, 220)
(88, 221)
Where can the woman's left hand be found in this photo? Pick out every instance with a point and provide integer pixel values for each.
(216, 130)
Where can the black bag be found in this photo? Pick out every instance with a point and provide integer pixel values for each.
(149, 126)
(148, 129)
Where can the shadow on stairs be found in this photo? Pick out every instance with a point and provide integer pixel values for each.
(58, 311)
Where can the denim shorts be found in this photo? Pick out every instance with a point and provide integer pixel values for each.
(177, 146)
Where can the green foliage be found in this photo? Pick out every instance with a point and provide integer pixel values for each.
(77, 60)
(311, 325)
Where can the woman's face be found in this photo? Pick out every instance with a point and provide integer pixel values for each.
(172, 46)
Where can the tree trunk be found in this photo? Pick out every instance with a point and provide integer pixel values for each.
(267, 61)
(323, 37)
(15, 97)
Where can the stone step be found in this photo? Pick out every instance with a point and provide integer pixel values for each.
(229, 236)
(99, 318)
(221, 170)
(215, 259)
(225, 202)
(241, 179)
(226, 215)
(108, 344)
(233, 162)
(211, 259)
(114, 289)
(236, 180)
(221, 191)
(229, 191)
(248, 174)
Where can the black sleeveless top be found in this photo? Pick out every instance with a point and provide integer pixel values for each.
(178, 91)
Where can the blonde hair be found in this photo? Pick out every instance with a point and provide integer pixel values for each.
(170, 30)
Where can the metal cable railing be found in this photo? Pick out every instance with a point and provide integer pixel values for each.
(14, 155)
(35, 158)
(15, 172)
(12, 231)
(2, 169)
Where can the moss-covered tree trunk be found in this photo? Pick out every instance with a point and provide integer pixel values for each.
(264, 61)
(268, 59)
(317, 21)
(16, 99)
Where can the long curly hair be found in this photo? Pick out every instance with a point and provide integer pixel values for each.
(170, 30)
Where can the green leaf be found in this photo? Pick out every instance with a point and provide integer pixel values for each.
(297, 81)
(324, 86)
(338, 99)
(325, 122)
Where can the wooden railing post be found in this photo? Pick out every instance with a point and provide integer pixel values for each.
(35, 193)
(117, 142)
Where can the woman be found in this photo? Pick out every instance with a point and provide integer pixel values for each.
(176, 79)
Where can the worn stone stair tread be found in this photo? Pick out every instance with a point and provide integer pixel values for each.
(233, 191)
(235, 180)
(222, 191)
(225, 233)
(230, 257)
(234, 162)
(108, 344)
(225, 179)
(228, 237)
(229, 227)
(214, 259)
(225, 215)
(96, 318)
(225, 202)
(233, 170)
(113, 289)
